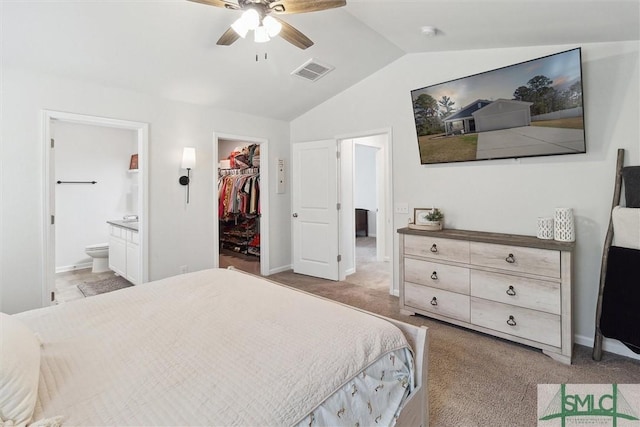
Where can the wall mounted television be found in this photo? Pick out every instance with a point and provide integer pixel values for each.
(532, 108)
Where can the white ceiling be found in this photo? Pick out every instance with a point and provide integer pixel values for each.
(168, 48)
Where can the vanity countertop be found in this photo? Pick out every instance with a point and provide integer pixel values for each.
(131, 225)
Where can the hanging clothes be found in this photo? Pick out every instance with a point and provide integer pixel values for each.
(239, 201)
(239, 193)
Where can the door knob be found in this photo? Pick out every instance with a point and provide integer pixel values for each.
(295, 215)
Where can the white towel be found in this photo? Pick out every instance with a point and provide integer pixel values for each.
(626, 227)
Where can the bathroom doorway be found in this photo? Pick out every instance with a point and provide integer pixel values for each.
(90, 178)
(241, 217)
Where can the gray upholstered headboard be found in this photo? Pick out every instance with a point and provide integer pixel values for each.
(631, 178)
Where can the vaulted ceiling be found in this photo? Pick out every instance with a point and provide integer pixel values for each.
(168, 48)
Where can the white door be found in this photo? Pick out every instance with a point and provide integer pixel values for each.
(314, 181)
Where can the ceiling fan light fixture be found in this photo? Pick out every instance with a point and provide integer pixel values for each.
(261, 35)
(254, 12)
(272, 25)
(251, 18)
(240, 27)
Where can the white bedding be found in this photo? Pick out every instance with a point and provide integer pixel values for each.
(215, 347)
(626, 227)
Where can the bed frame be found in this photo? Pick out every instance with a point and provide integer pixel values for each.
(416, 409)
(415, 412)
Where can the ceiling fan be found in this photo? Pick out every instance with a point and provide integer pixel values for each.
(257, 17)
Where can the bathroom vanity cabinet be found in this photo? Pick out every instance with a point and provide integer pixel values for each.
(124, 252)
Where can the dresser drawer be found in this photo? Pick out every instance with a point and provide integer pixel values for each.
(521, 322)
(437, 248)
(528, 293)
(437, 301)
(442, 276)
(543, 262)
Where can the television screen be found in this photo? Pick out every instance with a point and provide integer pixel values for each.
(533, 108)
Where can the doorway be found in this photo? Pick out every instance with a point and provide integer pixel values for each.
(323, 185)
(365, 186)
(370, 270)
(67, 255)
(241, 217)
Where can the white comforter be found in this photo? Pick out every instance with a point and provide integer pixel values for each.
(215, 347)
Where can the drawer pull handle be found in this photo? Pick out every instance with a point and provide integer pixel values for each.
(511, 291)
(511, 321)
(510, 259)
(434, 301)
(434, 248)
(434, 275)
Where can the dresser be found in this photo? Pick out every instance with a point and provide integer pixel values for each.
(510, 286)
(362, 221)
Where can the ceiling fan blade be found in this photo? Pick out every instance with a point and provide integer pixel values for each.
(303, 6)
(218, 3)
(228, 37)
(294, 36)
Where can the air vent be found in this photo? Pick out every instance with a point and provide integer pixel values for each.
(312, 70)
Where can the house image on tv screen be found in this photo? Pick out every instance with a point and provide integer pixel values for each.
(483, 115)
(463, 121)
(503, 114)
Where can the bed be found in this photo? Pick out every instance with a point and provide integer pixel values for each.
(215, 347)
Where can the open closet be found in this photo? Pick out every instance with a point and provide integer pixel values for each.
(239, 204)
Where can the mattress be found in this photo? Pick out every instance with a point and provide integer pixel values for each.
(217, 347)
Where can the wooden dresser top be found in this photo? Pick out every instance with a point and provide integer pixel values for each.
(498, 238)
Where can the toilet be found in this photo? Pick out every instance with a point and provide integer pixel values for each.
(100, 255)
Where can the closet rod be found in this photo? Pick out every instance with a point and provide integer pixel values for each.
(246, 171)
(77, 182)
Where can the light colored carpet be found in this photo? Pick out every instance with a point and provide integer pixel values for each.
(111, 284)
(247, 263)
(370, 273)
(476, 379)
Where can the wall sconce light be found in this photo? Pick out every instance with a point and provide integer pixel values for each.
(188, 163)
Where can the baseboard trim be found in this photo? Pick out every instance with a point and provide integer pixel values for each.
(65, 268)
(608, 345)
(280, 269)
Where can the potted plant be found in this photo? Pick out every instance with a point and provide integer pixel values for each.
(434, 218)
(427, 219)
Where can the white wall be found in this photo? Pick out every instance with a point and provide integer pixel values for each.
(90, 153)
(179, 234)
(503, 195)
(364, 190)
